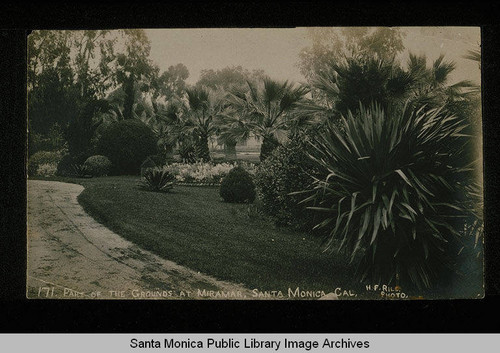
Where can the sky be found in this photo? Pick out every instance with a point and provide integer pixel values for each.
(275, 50)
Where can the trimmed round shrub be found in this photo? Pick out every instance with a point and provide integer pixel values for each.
(127, 143)
(97, 165)
(42, 157)
(238, 186)
(286, 171)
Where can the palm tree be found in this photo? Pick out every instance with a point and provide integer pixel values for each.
(190, 121)
(167, 125)
(366, 80)
(265, 110)
(202, 110)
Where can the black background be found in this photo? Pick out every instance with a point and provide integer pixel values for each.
(58, 316)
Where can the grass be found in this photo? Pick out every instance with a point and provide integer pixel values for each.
(195, 228)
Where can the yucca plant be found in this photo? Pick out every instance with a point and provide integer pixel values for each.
(81, 171)
(394, 192)
(158, 179)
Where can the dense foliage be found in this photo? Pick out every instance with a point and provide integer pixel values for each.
(382, 153)
(393, 193)
(127, 143)
(238, 186)
(48, 159)
(65, 167)
(98, 165)
(285, 171)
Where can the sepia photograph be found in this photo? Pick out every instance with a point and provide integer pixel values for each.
(307, 163)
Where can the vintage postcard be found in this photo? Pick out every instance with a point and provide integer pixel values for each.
(323, 163)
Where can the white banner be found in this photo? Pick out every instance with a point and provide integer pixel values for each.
(248, 343)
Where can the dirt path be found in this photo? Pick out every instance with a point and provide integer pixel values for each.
(70, 255)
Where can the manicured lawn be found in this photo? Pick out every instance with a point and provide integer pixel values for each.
(195, 228)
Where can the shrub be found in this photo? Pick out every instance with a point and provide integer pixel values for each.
(393, 193)
(126, 143)
(285, 171)
(52, 141)
(47, 169)
(42, 157)
(158, 179)
(97, 165)
(238, 186)
(66, 166)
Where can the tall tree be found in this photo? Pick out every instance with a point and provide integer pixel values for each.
(68, 70)
(229, 79)
(203, 108)
(265, 110)
(133, 64)
(330, 45)
(51, 93)
(172, 82)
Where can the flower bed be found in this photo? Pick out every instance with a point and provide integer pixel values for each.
(198, 184)
(204, 174)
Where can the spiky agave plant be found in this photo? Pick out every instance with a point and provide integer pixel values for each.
(158, 179)
(393, 194)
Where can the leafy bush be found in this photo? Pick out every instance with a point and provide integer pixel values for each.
(158, 179)
(97, 165)
(238, 186)
(52, 141)
(47, 169)
(42, 157)
(393, 193)
(127, 143)
(285, 171)
(66, 166)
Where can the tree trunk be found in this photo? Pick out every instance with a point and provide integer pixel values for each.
(230, 149)
(269, 144)
(202, 150)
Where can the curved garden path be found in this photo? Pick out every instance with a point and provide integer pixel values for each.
(70, 255)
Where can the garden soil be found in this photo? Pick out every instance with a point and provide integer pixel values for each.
(70, 255)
